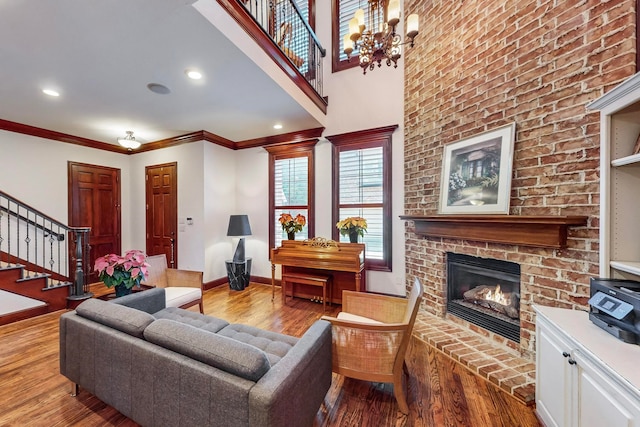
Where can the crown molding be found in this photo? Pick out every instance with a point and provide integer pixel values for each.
(285, 138)
(59, 136)
(201, 135)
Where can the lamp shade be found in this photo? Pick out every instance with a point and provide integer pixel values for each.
(239, 226)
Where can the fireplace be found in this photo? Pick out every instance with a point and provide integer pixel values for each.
(485, 292)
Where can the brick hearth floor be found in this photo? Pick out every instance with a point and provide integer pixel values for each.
(495, 363)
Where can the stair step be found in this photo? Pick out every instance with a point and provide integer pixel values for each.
(34, 277)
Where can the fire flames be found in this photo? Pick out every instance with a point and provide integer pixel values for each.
(498, 296)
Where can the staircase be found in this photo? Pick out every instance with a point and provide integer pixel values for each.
(24, 294)
(43, 263)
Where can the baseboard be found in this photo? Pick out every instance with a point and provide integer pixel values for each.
(224, 281)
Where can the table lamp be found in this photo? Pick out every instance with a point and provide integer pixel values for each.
(239, 227)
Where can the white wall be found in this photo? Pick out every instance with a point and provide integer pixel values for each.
(34, 170)
(220, 201)
(359, 102)
(379, 102)
(190, 161)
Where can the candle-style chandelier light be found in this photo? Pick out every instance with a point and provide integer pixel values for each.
(377, 39)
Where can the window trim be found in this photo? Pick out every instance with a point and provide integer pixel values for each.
(378, 137)
(288, 151)
(336, 42)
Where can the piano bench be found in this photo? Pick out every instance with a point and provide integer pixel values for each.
(307, 279)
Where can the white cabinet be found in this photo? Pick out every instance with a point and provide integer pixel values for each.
(554, 377)
(619, 180)
(584, 376)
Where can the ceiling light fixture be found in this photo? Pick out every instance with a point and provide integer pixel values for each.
(277, 126)
(378, 41)
(129, 142)
(50, 92)
(193, 74)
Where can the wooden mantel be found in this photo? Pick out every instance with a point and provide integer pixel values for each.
(539, 231)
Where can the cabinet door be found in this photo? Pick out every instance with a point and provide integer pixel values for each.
(553, 378)
(602, 402)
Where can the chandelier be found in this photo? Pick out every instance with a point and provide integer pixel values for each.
(377, 39)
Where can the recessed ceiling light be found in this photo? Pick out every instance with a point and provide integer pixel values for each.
(277, 126)
(50, 92)
(193, 74)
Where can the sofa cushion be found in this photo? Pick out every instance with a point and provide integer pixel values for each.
(275, 345)
(198, 320)
(120, 317)
(221, 352)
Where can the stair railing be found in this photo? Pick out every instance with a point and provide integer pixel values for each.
(286, 24)
(44, 246)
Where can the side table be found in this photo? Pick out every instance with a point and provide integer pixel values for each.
(238, 273)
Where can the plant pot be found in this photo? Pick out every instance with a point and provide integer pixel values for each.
(291, 235)
(353, 236)
(122, 290)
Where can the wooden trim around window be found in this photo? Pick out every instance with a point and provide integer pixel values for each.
(360, 140)
(288, 151)
(336, 42)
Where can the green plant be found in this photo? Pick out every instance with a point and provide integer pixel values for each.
(291, 224)
(352, 224)
(127, 270)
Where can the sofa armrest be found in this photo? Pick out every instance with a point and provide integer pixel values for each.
(184, 278)
(283, 396)
(150, 300)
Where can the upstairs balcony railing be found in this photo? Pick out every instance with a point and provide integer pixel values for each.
(284, 24)
(44, 246)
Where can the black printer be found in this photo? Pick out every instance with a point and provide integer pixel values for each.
(615, 307)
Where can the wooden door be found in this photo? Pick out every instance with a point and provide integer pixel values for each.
(94, 201)
(162, 211)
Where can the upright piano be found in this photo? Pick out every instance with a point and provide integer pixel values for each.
(344, 262)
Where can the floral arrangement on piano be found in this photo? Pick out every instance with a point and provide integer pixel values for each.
(292, 225)
(353, 227)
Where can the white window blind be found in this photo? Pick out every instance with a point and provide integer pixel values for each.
(347, 9)
(362, 194)
(291, 193)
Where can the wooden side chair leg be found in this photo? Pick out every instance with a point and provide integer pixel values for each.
(201, 307)
(398, 392)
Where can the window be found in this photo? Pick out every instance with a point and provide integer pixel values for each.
(341, 12)
(362, 187)
(291, 188)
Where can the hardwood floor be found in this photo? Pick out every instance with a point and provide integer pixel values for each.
(441, 392)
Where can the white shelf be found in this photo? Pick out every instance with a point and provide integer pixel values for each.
(626, 160)
(626, 266)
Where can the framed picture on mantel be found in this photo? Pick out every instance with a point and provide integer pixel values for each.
(476, 173)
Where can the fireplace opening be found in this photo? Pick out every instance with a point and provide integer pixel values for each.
(485, 292)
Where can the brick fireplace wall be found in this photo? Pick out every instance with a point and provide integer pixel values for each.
(481, 64)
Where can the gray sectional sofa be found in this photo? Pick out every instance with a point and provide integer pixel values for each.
(172, 367)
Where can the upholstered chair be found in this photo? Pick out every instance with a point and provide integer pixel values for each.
(371, 336)
(183, 288)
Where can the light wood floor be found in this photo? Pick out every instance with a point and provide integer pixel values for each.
(441, 392)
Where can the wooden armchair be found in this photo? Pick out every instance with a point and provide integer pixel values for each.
(183, 288)
(371, 336)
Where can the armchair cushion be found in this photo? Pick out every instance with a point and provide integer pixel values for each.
(221, 352)
(355, 318)
(178, 296)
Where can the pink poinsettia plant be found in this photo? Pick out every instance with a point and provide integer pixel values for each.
(127, 270)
